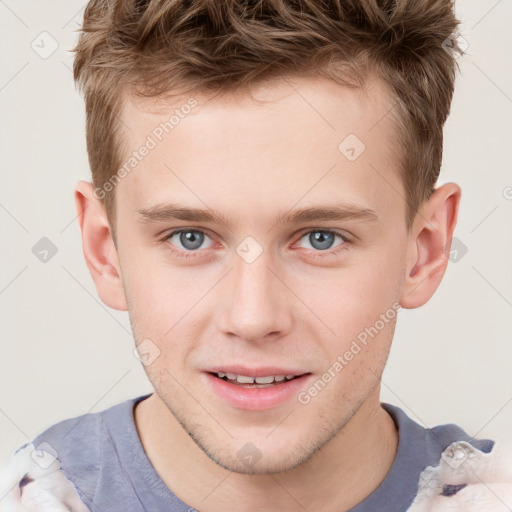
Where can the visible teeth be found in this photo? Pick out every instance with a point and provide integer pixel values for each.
(265, 380)
(245, 380)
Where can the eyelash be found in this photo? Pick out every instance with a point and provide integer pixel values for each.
(194, 254)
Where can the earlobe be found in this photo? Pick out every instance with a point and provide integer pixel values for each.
(98, 246)
(429, 245)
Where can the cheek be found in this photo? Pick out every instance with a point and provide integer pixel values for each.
(353, 298)
(164, 307)
(160, 294)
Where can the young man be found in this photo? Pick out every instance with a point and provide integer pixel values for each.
(263, 205)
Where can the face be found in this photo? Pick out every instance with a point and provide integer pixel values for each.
(291, 263)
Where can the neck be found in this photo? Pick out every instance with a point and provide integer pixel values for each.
(337, 477)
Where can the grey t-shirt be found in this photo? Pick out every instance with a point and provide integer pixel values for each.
(101, 453)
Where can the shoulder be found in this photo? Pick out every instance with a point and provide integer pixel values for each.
(85, 446)
(459, 473)
(467, 479)
(432, 441)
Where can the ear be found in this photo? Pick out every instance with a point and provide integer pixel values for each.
(98, 246)
(429, 245)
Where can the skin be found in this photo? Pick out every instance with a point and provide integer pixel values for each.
(294, 306)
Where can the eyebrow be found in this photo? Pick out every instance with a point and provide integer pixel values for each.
(341, 211)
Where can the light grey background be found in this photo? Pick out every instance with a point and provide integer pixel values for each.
(63, 353)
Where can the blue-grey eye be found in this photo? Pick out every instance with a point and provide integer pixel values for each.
(321, 240)
(190, 239)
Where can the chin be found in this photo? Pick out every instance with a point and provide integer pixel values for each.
(259, 464)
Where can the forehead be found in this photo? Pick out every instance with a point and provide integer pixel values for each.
(319, 104)
(294, 140)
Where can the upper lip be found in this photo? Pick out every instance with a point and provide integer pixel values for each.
(261, 371)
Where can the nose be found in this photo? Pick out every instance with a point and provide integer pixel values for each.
(259, 304)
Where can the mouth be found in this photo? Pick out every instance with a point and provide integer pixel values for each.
(256, 389)
(247, 381)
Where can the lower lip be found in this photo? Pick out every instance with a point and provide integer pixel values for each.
(256, 399)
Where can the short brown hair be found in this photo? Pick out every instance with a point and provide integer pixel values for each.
(156, 48)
